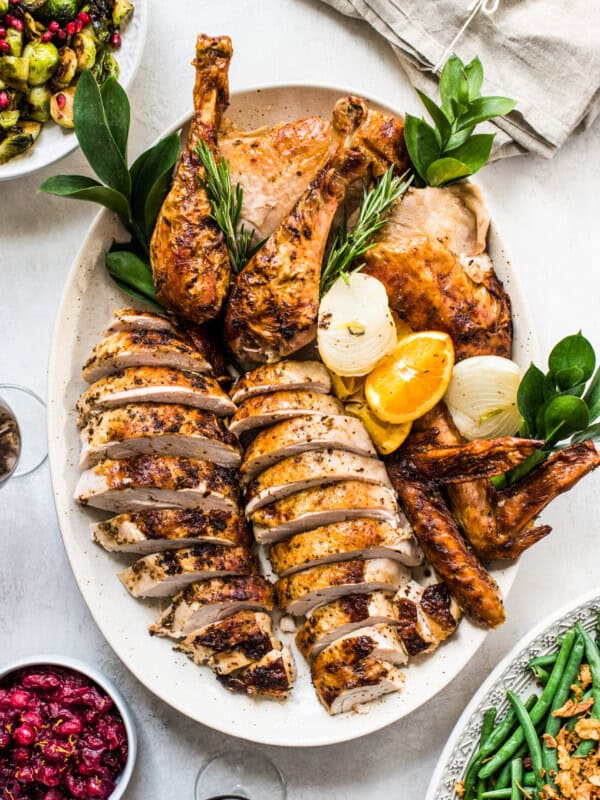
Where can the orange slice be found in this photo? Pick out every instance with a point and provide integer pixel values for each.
(412, 379)
(386, 436)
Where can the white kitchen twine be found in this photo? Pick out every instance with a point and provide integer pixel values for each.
(487, 7)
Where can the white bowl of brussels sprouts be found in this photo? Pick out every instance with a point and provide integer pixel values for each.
(44, 47)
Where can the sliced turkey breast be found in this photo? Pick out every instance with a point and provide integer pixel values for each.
(154, 385)
(135, 484)
(426, 616)
(128, 319)
(156, 530)
(351, 539)
(249, 632)
(309, 469)
(267, 409)
(342, 617)
(158, 429)
(323, 505)
(350, 671)
(125, 349)
(282, 377)
(298, 594)
(165, 574)
(203, 603)
(233, 660)
(272, 676)
(294, 436)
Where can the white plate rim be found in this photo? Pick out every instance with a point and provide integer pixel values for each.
(368, 725)
(472, 713)
(29, 165)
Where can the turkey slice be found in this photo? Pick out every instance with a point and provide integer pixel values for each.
(267, 409)
(271, 676)
(282, 377)
(249, 632)
(128, 319)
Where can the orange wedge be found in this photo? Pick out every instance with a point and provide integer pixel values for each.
(412, 379)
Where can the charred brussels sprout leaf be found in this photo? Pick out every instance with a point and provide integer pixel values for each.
(18, 139)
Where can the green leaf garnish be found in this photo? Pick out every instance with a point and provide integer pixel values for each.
(349, 246)
(449, 151)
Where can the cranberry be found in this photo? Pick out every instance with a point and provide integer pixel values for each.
(4, 96)
(42, 680)
(21, 755)
(47, 775)
(76, 786)
(25, 774)
(5, 739)
(55, 750)
(84, 17)
(71, 28)
(4, 46)
(99, 787)
(25, 735)
(71, 727)
(54, 26)
(20, 699)
(53, 794)
(115, 40)
(32, 718)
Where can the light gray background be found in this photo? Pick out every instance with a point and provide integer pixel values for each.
(548, 214)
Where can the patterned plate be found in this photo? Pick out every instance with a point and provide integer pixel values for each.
(509, 674)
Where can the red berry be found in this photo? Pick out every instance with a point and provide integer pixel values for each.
(25, 774)
(54, 26)
(20, 699)
(2, 33)
(4, 46)
(61, 100)
(15, 2)
(71, 28)
(25, 735)
(15, 22)
(115, 40)
(4, 96)
(4, 739)
(84, 17)
(32, 718)
(71, 727)
(78, 26)
(21, 755)
(61, 35)
(46, 36)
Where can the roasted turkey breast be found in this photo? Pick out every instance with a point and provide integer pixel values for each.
(321, 506)
(309, 469)
(154, 385)
(298, 435)
(205, 602)
(272, 676)
(351, 539)
(267, 409)
(165, 574)
(129, 319)
(158, 429)
(155, 530)
(153, 348)
(188, 254)
(342, 617)
(353, 670)
(298, 594)
(247, 631)
(285, 376)
(156, 482)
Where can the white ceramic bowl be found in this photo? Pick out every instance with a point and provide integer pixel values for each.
(109, 687)
(55, 142)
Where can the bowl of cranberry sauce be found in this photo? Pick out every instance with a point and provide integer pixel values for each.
(65, 732)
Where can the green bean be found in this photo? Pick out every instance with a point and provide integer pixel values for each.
(516, 778)
(538, 712)
(540, 674)
(553, 724)
(504, 776)
(473, 787)
(543, 661)
(592, 655)
(531, 737)
(497, 794)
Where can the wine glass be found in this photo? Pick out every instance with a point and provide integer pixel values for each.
(240, 773)
(23, 445)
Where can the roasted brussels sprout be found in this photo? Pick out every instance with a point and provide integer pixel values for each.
(18, 139)
(101, 14)
(60, 10)
(32, 5)
(85, 50)
(43, 61)
(14, 72)
(67, 69)
(105, 67)
(61, 107)
(38, 103)
(9, 118)
(14, 39)
(33, 28)
(122, 12)
(4, 5)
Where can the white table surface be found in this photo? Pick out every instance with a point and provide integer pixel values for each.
(548, 212)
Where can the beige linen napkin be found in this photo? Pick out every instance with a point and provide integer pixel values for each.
(543, 53)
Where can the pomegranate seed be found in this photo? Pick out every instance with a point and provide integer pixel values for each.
(61, 100)
(78, 26)
(61, 35)
(20, 699)
(46, 36)
(4, 46)
(84, 17)
(2, 33)
(25, 735)
(15, 2)
(15, 23)
(54, 26)
(71, 28)
(4, 97)
(115, 40)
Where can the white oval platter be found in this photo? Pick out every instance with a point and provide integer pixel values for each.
(511, 673)
(88, 300)
(55, 142)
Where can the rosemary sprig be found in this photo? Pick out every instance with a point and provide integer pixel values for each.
(347, 245)
(226, 204)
